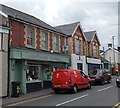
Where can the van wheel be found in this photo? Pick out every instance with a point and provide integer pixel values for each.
(103, 82)
(74, 89)
(89, 85)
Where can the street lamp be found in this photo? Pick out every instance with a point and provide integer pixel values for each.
(113, 51)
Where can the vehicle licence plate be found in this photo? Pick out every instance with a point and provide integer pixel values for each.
(58, 85)
(92, 79)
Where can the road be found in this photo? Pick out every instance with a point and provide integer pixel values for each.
(98, 95)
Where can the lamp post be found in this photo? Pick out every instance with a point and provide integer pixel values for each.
(113, 52)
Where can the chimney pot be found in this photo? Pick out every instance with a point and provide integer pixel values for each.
(110, 45)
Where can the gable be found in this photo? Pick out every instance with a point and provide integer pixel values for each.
(79, 33)
(95, 39)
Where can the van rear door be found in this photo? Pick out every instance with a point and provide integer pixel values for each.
(60, 78)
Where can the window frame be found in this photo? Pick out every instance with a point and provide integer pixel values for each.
(78, 46)
(44, 41)
(31, 37)
(94, 50)
(56, 43)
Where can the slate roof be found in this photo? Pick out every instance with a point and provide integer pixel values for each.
(89, 35)
(104, 60)
(25, 17)
(67, 28)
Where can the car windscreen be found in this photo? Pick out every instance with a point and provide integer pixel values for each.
(95, 72)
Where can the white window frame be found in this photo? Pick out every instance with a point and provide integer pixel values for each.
(95, 50)
(31, 36)
(78, 46)
(56, 43)
(44, 40)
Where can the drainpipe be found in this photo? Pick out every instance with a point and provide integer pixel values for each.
(8, 59)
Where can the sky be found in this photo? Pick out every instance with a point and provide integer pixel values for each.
(101, 16)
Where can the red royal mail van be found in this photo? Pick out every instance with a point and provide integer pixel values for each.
(69, 80)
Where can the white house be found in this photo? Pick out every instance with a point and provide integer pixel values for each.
(4, 31)
(113, 56)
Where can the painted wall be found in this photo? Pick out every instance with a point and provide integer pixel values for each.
(4, 66)
(79, 59)
(109, 54)
(1, 74)
(4, 73)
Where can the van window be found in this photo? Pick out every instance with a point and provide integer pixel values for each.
(83, 74)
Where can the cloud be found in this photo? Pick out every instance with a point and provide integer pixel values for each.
(93, 15)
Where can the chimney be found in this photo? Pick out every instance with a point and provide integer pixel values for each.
(118, 49)
(109, 45)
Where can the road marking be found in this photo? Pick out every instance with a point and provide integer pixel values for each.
(117, 105)
(72, 100)
(29, 100)
(104, 88)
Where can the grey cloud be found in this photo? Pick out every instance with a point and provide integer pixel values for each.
(92, 15)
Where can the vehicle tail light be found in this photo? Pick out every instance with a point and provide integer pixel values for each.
(70, 80)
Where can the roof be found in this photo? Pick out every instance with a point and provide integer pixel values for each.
(13, 13)
(104, 60)
(68, 28)
(89, 35)
(111, 48)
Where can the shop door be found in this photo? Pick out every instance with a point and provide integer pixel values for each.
(79, 66)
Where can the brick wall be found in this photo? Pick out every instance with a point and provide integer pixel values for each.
(18, 36)
(78, 34)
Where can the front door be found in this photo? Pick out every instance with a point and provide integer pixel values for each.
(80, 66)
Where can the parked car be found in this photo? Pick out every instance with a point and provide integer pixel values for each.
(118, 81)
(100, 76)
(69, 80)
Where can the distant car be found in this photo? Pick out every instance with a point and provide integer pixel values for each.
(69, 80)
(100, 76)
(118, 81)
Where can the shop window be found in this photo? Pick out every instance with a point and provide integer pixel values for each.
(56, 43)
(44, 41)
(30, 37)
(32, 73)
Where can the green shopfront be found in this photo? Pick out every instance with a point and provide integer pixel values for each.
(34, 69)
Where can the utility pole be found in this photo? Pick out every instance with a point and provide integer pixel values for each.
(113, 51)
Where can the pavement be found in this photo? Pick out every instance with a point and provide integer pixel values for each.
(12, 100)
